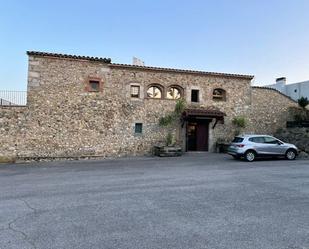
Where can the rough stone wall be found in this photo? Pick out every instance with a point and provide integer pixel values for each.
(13, 128)
(69, 121)
(62, 119)
(269, 111)
(238, 97)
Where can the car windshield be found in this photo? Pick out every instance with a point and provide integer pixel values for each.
(237, 140)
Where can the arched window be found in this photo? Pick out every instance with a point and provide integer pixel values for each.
(219, 94)
(154, 92)
(174, 92)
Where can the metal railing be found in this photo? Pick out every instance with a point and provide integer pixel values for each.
(13, 98)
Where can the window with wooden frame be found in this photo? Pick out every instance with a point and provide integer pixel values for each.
(219, 94)
(94, 85)
(135, 91)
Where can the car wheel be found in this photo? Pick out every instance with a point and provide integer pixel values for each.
(250, 156)
(290, 154)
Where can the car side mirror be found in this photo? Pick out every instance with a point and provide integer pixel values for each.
(279, 143)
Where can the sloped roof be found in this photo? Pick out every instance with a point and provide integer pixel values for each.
(203, 112)
(77, 57)
(175, 70)
(128, 66)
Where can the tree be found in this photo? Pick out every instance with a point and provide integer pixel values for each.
(303, 102)
(172, 119)
(239, 123)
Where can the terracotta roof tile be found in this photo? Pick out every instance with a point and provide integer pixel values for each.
(108, 60)
(203, 112)
(77, 57)
(182, 71)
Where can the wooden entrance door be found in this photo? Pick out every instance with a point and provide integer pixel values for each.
(202, 137)
(197, 136)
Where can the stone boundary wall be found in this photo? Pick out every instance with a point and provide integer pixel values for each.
(269, 110)
(297, 136)
(13, 127)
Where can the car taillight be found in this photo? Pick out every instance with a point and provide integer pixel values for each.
(240, 145)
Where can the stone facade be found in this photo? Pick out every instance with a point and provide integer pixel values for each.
(63, 119)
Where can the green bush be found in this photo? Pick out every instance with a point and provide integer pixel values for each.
(166, 120)
(172, 119)
(303, 102)
(299, 114)
(174, 116)
(180, 107)
(239, 122)
(169, 139)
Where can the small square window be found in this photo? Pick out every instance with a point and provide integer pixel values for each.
(94, 86)
(195, 95)
(135, 90)
(138, 128)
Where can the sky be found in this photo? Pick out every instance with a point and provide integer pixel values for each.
(268, 39)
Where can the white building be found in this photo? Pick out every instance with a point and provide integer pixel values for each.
(294, 90)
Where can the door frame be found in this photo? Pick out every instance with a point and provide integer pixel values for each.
(197, 120)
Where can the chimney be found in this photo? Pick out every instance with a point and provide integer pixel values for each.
(281, 81)
(137, 62)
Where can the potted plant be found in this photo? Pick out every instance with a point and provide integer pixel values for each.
(170, 122)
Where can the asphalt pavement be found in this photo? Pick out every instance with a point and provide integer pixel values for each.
(199, 200)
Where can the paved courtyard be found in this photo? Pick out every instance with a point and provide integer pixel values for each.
(194, 201)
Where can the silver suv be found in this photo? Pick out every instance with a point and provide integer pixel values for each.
(252, 146)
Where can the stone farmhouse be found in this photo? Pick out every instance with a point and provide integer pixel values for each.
(89, 106)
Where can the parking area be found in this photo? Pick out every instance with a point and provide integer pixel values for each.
(199, 200)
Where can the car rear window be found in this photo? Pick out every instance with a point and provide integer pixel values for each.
(237, 140)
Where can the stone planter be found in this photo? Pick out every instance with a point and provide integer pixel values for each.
(167, 151)
(222, 147)
(6, 159)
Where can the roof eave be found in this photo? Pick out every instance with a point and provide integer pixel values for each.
(67, 56)
(184, 71)
(135, 67)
